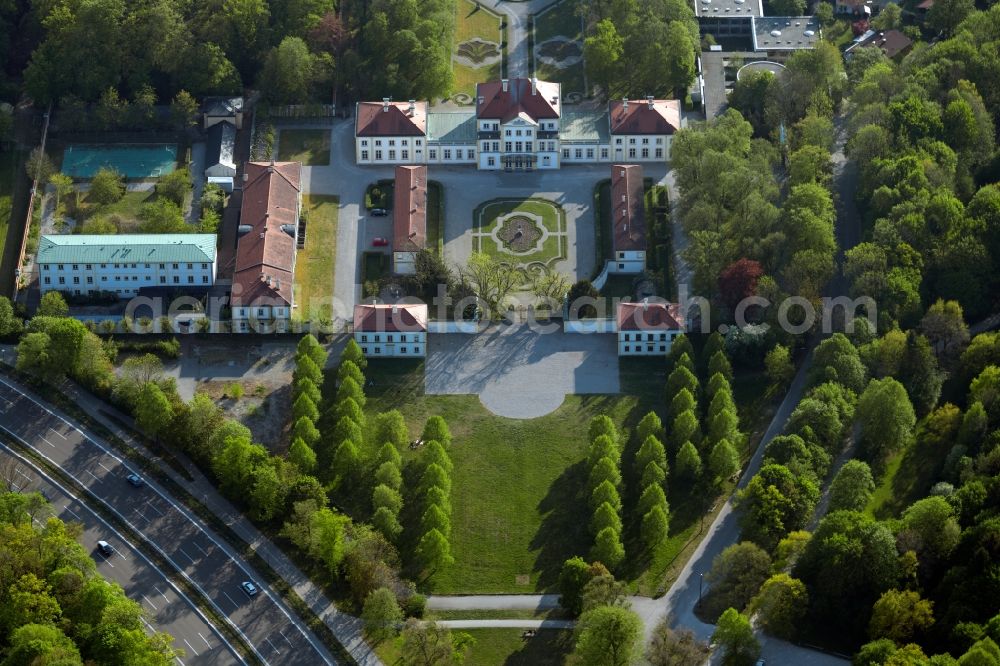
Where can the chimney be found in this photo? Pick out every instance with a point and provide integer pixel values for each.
(385, 104)
(624, 104)
(246, 176)
(649, 101)
(534, 85)
(262, 234)
(413, 107)
(480, 99)
(645, 304)
(503, 84)
(395, 309)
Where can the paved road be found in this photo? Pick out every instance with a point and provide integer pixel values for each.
(275, 634)
(494, 602)
(507, 624)
(166, 607)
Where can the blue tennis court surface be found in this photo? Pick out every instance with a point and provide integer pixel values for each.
(139, 161)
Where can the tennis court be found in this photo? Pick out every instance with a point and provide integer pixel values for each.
(136, 161)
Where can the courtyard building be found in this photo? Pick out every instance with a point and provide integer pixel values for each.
(262, 292)
(628, 219)
(122, 264)
(516, 125)
(398, 330)
(409, 218)
(222, 109)
(648, 328)
(220, 155)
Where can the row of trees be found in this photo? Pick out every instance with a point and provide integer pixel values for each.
(604, 480)
(56, 606)
(433, 549)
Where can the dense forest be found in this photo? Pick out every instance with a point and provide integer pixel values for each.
(73, 52)
(56, 608)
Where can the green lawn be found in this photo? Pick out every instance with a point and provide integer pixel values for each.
(374, 265)
(309, 146)
(126, 209)
(475, 22)
(501, 647)
(518, 504)
(314, 263)
(553, 218)
(907, 477)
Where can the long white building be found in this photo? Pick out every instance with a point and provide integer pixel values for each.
(515, 125)
(82, 265)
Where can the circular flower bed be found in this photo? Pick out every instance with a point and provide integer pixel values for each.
(519, 233)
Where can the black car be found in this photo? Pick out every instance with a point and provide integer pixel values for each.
(105, 548)
(379, 212)
(135, 480)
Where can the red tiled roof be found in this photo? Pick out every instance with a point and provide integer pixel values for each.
(628, 214)
(390, 119)
(409, 213)
(658, 116)
(265, 256)
(650, 316)
(543, 102)
(386, 318)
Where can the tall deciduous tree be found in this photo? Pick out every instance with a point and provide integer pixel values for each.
(735, 635)
(887, 418)
(602, 53)
(608, 635)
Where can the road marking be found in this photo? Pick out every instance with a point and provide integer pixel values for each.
(141, 514)
(286, 638)
(190, 646)
(148, 625)
(66, 508)
(206, 641)
(18, 470)
(105, 468)
(160, 592)
(96, 478)
(268, 641)
(57, 432)
(201, 549)
(149, 503)
(47, 441)
(148, 601)
(107, 561)
(184, 553)
(16, 487)
(230, 599)
(119, 554)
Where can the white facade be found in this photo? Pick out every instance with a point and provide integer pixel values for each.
(641, 147)
(392, 344)
(261, 318)
(390, 149)
(123, 279)
(628, 261)
(450, 153)
(645, 343)
(520, 143)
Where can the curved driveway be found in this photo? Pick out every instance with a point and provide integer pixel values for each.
(166, 607)
(275, 634)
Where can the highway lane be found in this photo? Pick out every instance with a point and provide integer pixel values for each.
(276, 635)
(166, 607)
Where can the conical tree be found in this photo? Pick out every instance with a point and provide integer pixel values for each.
(651, 496)
(655, 526)
(388, 474)
(716, 383)
(681, 345)
(714, 344)
(435, 475)
(434, 550)
(608, 548)
(388, 497)
(304, 407)
(602, 425)
(653, 474)
(650, 425)
(437, 497)
(605, 516)
(651, 451)
(602, 447)
(352, 352)
(683, 401)
(305, 430)
(688, 464)
(305, 386)
(389, 453)
(722, 400)
(386, 522)
(306, 368)
(684, 429)
(350, 369)
(435, 453)
(309, 346)
(436, 429)
(302, 456)
(606, 492)
(723, 461)
(681, 378)
(350, 409)
(350, 388)
(345, 460)
(685, 361)
(719, 363)
(435, 518)
(604, 470)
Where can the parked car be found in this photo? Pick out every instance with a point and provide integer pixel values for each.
(380, 242)
(135, 480)
(105, 548)
(379, 212)
(249, 588)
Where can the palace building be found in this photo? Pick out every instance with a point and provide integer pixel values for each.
(515, 125)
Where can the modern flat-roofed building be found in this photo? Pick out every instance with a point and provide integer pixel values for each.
(262, 290)
(409, 217)
(391, 330)
(628, 219)
(648, 328)
(122, 264)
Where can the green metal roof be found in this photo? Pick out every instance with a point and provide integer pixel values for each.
(589, 126)
(122, 248)
(451, 126)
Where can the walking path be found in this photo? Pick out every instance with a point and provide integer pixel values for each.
(517, 14)
(507, 624)
(346, 628)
